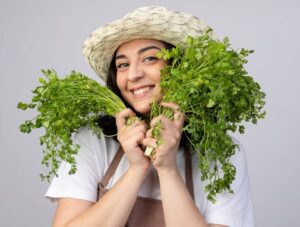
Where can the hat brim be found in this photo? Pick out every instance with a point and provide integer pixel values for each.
(171, 27)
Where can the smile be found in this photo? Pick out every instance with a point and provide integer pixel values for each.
(142, 91)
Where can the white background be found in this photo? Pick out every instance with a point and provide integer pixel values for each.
(37, 34)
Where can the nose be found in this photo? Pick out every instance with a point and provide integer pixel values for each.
(135, 72)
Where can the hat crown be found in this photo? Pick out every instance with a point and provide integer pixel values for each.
(146, 11)
(152, 22)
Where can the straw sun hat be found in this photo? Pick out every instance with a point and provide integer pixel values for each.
(152, 22)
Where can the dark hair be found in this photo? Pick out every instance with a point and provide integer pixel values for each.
(107, 123)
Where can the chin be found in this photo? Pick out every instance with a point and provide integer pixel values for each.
(143, 110)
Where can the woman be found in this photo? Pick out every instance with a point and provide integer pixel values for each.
(142, 192)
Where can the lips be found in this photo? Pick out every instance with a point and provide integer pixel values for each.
(141, 91)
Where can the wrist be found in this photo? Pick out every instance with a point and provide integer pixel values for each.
(138, 172)
(167, 172)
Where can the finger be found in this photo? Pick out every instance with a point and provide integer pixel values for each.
(178, 119)
(178, 116)
(134, 131)
(170, 105)
(157, 120)
(150, 146)
(121, 117)
(168, 129)
(149, 132)
(149, 142)
(138, 126)
(139, 137)
(162, 120)
(146, 126)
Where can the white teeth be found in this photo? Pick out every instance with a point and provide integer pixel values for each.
(141, 91)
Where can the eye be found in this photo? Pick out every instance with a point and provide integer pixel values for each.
(150, 58)
(122, 65)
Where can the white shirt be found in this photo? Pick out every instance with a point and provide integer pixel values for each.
(95, 155)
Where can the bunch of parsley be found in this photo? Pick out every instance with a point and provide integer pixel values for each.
(64, 105)
(208, 81)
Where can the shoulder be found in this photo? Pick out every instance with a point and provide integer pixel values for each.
(239, 156)
(97, 146)
(92, 160)
(85, 137)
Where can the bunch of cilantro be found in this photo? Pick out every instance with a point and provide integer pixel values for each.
(64, 105)
(208, 81)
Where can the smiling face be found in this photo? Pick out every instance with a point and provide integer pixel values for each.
(138, 72)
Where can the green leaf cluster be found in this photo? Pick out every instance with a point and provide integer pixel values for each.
(208, 81)
(63, 106)
(206, 78)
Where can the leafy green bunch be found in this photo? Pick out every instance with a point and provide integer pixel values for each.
(63, 106)
(208, 81)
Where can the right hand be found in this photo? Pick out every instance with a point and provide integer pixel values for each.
(130, 137)
(170, 135)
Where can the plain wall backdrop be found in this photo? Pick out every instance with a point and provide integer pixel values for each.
(36, 35)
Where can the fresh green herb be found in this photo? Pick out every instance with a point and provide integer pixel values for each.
(65, 105)
(157, 110)
(208, 81)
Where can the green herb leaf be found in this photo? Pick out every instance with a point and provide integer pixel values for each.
(64, 105)
(208, 81)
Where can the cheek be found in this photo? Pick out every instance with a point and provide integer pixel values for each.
(157, 77)
(154, 74)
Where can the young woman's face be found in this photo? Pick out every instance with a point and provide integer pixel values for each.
(138, 72)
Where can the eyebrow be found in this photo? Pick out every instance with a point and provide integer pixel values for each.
(139, 52)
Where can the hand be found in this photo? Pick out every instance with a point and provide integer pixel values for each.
(170, 132)
(130, 137)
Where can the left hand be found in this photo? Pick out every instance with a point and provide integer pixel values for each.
(130, 137)
(170, 132)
